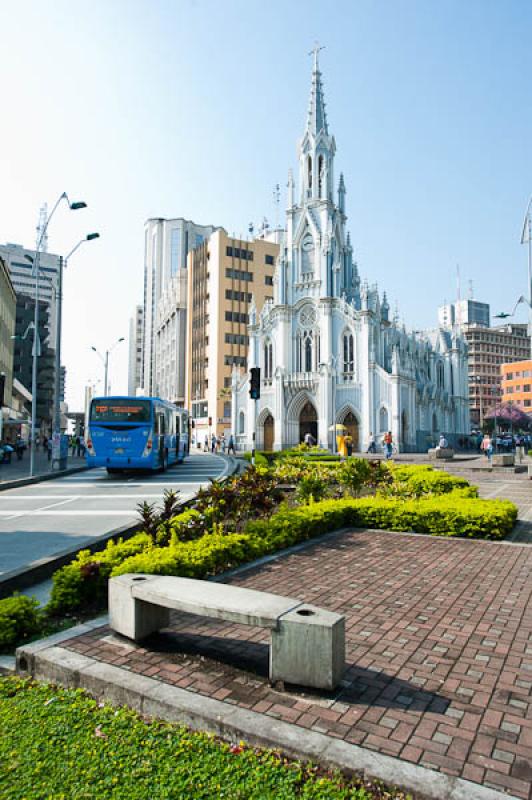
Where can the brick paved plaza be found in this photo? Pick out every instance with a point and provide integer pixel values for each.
(439, 651)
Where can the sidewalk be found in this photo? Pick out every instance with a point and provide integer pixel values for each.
(18, 470)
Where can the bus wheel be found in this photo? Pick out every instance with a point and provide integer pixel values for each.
(114, 471)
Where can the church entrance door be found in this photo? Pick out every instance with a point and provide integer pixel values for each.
(308, 422)
(268, 432)
(350, 422)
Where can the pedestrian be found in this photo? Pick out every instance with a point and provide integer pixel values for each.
(48, 449)
(214, 442)
(82, 446)
(372, 447)
(348, 441)
(309, 439)
(487, 446)
(73, 445)
(206, 444)
(388, 444)
(443, 444)
(19, 447)
(231, 445)
(222, 442)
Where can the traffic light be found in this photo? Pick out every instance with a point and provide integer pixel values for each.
(254, 383)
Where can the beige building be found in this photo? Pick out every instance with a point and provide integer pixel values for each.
(8, 305)
(488, 350)
(224, 274)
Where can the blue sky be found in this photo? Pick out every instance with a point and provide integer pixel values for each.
(194, 109)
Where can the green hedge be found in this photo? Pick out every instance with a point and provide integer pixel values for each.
(20, 619)
(417, 480)
(85, 579)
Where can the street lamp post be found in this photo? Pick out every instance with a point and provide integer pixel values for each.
(36, 349)
(59, 461)
(105, 361)
(526, 238)
(478, 381)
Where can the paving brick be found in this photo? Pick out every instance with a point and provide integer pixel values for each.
(423, 681)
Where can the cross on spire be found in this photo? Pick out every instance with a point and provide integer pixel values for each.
(315, 51)
(317, 119)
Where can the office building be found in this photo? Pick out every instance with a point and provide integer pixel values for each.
(227, 277)
(464, 312)
(23, 357)
(488, 350)
(170, 340)
(166, 244)
(8, 304)
(24, 281)
(136, 334)
(516, 383)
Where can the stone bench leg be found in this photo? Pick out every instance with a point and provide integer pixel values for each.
(308, 648)
(131, 617)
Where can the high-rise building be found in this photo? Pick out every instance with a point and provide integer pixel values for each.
(136, 336)
(226, 278)
(488, 350)
(170, 340)
(21, 270)
(516, 382)
(8, 303)
(23, 357)
(166, 244)
(464, 312)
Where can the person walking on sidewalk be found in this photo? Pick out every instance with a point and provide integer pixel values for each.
(372, 447)
(388, 445)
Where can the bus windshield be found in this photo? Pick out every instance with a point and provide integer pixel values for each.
(121, 411)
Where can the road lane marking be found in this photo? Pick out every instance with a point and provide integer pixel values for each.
(39, 510)
(81, 497)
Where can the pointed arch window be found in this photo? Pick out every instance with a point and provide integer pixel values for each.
(308, 354)
(268, 361)
(440, 375)
(349, 356)
(320, 176)
(309, 173)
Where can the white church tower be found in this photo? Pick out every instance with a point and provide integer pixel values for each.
(326, 347)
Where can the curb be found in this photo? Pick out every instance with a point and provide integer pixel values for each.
(47, 476)
(48, 661)
(38, 571)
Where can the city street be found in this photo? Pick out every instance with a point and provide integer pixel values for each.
(40, 520)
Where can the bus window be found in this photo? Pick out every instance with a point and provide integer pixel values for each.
(177, 424)
(160, 427)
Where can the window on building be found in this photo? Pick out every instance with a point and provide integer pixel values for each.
(528, 403)
(441, 375)
(175, 245)
(241, 422)
(509, 376)
(268, 280)
(227, 409)
(238, 275)
(227, 383)
(269, 259)
(349, 358)
(236, 338)
(308, 354)
(239, 361)
(268, 361)
(526, 387)
(231, 294)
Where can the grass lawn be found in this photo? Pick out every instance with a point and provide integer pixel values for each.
(60, 744)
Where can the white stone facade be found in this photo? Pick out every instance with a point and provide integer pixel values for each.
(327, 349)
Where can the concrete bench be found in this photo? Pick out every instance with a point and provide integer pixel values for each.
(441, 452)
(307, 642)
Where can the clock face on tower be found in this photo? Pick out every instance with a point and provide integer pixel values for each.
(307, 255)
(307, 243)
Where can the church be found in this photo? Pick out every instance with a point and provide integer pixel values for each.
(328, 351)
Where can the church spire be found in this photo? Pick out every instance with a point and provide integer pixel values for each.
(317, 118)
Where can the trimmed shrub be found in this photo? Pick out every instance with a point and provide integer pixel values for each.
(83, 582)
(260, 459)
(20, 618)
(418, 480)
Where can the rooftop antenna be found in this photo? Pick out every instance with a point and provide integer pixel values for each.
(276, 200)
(43, 219)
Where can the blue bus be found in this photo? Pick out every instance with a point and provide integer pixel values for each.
(127, 433)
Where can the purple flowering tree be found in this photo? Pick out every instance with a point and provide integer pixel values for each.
(508, 415)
